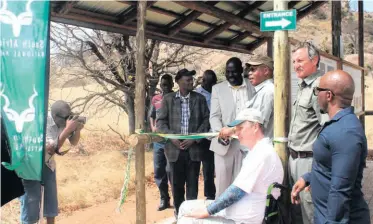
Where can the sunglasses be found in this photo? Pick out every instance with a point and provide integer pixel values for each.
(317, 90)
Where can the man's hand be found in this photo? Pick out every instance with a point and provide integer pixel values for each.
(154, 129)
(51, 147)
(72, 124)
(226, 132)
(187, 143)
(199, 214)
(176, 142)
(297, 188)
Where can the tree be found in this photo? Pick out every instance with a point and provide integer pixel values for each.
(108, 59)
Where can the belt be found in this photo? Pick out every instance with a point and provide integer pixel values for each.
(300, 154)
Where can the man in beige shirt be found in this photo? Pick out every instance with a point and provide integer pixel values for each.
(306, 123)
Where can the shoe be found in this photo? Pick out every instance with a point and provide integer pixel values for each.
(163, 205)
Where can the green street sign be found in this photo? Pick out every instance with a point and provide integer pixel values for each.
(278, 20)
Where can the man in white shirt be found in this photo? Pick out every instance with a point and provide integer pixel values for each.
(61, 125)
(244, 201)
(261, 77)
(228, 98)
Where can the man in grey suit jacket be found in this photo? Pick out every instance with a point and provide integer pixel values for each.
(184, 112)
(227, 100)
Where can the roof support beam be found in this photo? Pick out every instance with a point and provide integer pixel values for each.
(222, 14)
(240, 37)
(186, 20)
(336, 28)
(215, 32)
(132, 13)
(66, 7)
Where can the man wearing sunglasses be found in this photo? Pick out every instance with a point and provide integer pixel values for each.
(61, 125)
(260, 74)
(306, 123)
(339, 157)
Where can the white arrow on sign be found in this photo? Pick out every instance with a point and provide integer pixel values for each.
(283, 23)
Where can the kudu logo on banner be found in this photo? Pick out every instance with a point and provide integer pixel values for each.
(27, 115)
(8, 17)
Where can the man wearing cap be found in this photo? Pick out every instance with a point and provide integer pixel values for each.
(183, 112)
(228, 98)
(61, 125)
(244, 200)
(261, 77)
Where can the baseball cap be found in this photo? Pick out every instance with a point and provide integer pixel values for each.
(261, 60)
(248, 114)
(184, 72)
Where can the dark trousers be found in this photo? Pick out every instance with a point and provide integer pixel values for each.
(184, 171)
(161, 170)
(208, 168)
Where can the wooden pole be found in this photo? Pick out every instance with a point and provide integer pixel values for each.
(361, 54)
(282, 85)
(140, 113)
(336, 28)
(281, 50)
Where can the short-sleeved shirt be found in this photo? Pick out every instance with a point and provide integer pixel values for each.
(51, 136)
(263, 101)
(260, 168)
(206, 94)
(156, 104)
(306, 121)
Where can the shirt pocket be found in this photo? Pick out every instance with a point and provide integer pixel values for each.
(306, 110)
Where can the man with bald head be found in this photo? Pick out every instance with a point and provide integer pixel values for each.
(61, 125)
(339, 155)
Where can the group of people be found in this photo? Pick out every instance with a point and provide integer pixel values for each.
(327, 145)
(326, 142)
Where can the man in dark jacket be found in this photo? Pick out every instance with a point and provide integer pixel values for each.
(184, 112)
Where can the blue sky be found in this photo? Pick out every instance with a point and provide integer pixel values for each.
(368, 5)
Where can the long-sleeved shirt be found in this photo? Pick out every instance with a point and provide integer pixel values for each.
(206, 94)
(339, 155)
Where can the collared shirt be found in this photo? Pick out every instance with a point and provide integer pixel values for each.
(185, 112)
(240, 95)
(306, 121)
(51, 137)
(339, 155)
(259, 170)
(206, 94)
(263, 101)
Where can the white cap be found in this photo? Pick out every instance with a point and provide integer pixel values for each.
(248, 114)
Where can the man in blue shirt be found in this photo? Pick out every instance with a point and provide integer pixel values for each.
(208, 80)
(339, 155)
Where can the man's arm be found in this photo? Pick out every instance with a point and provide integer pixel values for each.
(162, 119)
(346, 150)
(230, 196)
(215, 113)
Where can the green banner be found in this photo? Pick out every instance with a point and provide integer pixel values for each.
(24, 52)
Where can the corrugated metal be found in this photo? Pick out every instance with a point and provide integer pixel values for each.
(268, 6)
(171, 6)
(209, 19)
(105, 7)
(247, 40)
(157, 18)
(227, 6)
(226, 35)
(195, 28)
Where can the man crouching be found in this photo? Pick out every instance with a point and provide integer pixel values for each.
(245, 199)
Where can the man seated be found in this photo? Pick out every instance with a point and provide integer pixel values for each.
(245, 199)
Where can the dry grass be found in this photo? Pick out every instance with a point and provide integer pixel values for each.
(88, 177)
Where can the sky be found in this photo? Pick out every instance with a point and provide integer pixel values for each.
(368, 5)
